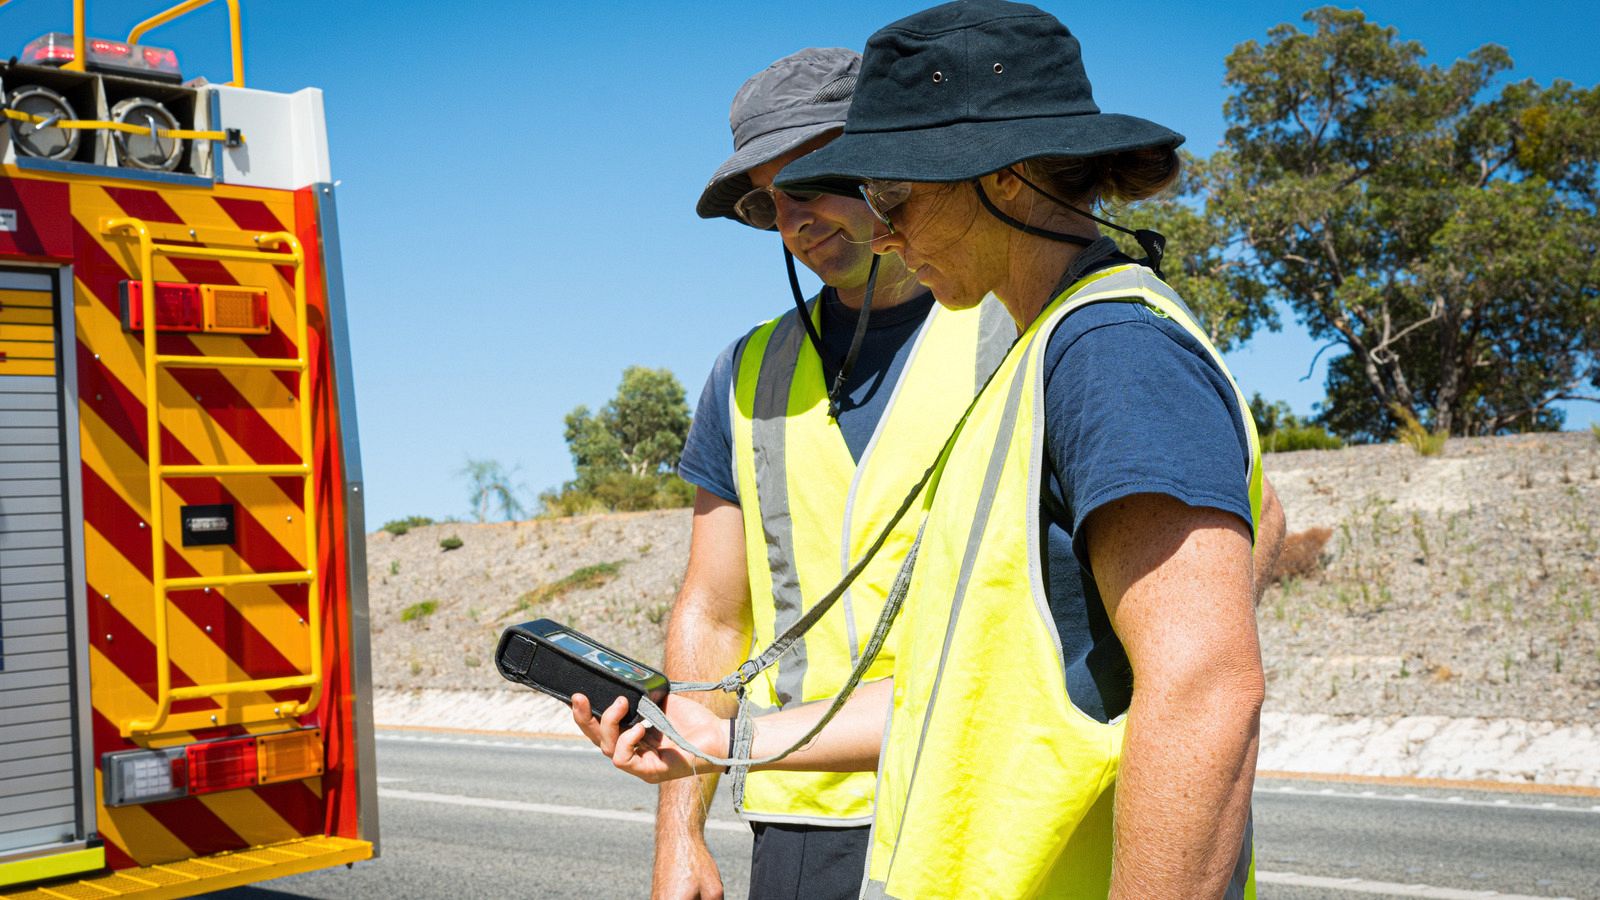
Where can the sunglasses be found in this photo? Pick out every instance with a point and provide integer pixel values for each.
(883, 197)
(758, 208)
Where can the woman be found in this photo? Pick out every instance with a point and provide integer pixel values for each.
(1075, 703)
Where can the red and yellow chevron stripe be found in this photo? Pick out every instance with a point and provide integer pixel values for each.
(231, 416)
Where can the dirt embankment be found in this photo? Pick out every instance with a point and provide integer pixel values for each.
(1461, 585)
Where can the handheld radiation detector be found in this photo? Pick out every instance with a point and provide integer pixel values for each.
(550, 657)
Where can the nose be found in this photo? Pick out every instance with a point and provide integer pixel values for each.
(792, 214)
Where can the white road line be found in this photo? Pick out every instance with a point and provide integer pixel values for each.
(478, 742)
(616, 815)
(1438, 801)
(1387, 889)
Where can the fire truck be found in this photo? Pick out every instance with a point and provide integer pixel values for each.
(184, 657)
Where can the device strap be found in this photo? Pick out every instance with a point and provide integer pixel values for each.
(739, 760)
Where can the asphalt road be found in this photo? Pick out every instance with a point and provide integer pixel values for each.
(468, 817)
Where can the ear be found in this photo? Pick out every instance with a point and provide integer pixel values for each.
(1002, 185)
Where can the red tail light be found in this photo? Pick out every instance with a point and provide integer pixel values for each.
(178, 306)
(221, 765)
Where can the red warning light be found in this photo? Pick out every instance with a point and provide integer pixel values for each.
(221, 765)
(178, 306)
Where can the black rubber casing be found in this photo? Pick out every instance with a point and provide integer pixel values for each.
(528, 657)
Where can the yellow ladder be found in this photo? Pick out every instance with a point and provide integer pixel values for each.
(164, 240)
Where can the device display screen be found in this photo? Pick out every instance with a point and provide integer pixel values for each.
(594, 654)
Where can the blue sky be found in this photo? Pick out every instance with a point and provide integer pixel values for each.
(518, 184)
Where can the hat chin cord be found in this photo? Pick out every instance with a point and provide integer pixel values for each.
(1152, 242)
(836, 390)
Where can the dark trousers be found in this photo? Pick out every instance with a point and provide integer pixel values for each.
(807, 862)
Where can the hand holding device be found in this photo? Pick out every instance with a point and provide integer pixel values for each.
(550, 657)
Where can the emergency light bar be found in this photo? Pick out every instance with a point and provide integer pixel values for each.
(208, 308)
(116, 57)
(205, 767)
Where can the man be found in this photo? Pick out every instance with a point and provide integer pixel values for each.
(796, 470)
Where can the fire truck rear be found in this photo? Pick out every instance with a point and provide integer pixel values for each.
(184, 665)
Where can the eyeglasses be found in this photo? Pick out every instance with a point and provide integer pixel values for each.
(758, 208)
(884, 196)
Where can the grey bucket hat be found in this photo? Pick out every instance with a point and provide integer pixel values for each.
(795, 99)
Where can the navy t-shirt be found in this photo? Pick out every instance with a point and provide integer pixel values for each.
(707, 459)
(1132, 403)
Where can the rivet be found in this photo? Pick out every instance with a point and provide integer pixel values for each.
(938, 77)
(191, 232)
(288, 518)
(213, 720)
(208, 629)
(97, 398)
(108, 638)
(197, 398)
(277, 710)
(141, 525)
(106, 597)
(97, 356)
(205, 590)
(998, 68)
(302, 621)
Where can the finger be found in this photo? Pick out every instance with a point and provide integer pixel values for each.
(628, 746)
(598, 734)
(615, 712)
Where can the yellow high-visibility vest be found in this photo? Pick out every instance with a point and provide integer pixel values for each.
(810, 512)
(992, 782)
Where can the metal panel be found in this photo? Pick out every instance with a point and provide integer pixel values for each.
(33, 784)
(27, 768)
(29, 487)
(45, 767)
(22, 453)
(20, 575)
(18, 608)
(358, 622)
(34, 712)
(46, 625)
(37, 556)
(17, 400)
(29, 418)
(29, 540)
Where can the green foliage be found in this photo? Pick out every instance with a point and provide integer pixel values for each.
(623, 453)
(1282, 431)
(398, 527)
(1594, 429)
(453, 542)
(419, 610)
(1414, 435)
(394, 567)
(1443, 233)
(489, 486)
(586, 577)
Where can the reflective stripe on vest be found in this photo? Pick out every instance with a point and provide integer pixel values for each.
(810, 511)
(992, 783)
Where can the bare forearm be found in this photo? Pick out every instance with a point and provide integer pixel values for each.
(701, 646)
(1183, 791)
(849, 743)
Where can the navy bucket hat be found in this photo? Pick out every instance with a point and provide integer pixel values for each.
(964, 89)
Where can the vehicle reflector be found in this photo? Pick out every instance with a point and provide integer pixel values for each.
(221, 765)
(235, 310)
(178, 306)
(289, 756)
(143, 776)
